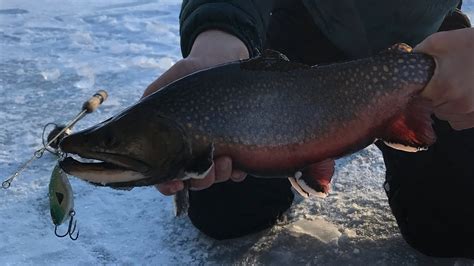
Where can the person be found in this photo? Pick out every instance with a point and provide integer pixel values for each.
(431, 193)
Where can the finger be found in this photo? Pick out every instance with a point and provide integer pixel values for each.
(199, 184)
(238, 175)
(163, 80)
(223, 168)
(460, 106)
(451, 117)
(178, 70)
(462, 125)
(436, 91)
(433, 44)
(170, 188)
(458, 121)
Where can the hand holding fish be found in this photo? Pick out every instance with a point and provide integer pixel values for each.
(210, 48)
(452, 87)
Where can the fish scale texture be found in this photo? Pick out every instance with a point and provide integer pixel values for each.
(271, 102)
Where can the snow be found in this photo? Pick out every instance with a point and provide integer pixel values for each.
(57, 53)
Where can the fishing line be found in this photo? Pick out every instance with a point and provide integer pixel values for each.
(88, 107)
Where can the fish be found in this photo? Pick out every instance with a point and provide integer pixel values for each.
(272, 116)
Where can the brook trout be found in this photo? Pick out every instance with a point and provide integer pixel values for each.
(273, 117)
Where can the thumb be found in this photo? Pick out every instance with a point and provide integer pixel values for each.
(182, 68)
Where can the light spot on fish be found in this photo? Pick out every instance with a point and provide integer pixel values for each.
(385, 68)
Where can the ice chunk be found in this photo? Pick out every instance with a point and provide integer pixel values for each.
(117, 48)
(82, 39)
(88, 78)
(318, 228)
(147, 62)
(51, 74)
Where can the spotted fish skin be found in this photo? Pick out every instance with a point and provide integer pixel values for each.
(274, 117)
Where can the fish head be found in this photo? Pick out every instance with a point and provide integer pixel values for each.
(134, 148)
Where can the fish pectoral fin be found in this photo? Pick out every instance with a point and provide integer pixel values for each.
(314, 179)
(411, 131)
(201, 164)
(181, 201)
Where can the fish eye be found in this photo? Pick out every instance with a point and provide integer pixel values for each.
(110, 140)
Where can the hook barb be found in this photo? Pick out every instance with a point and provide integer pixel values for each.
(70, 229)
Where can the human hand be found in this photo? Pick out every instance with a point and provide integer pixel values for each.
(210, 48)
(451, 88)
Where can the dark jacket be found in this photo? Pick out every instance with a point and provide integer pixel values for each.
(358, 28)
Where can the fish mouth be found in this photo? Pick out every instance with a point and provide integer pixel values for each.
(105, 168)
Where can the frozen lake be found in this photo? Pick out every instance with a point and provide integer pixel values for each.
(54, 54)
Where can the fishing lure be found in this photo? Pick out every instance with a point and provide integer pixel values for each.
(60, 193)
(88, 107)
(61, 202)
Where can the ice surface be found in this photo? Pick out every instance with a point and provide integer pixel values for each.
(54, 54)
(320, 229)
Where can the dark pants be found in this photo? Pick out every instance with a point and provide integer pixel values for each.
(430, 193)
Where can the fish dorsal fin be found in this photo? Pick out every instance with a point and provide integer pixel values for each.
(271, 60)
(272, 54)
(399, 48)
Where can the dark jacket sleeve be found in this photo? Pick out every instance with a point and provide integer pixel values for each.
(246, 19)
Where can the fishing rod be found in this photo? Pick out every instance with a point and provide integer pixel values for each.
(88, 107)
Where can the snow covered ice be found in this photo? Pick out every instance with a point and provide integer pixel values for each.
(54, 54)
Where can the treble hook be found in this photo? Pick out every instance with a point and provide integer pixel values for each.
(71, 228)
